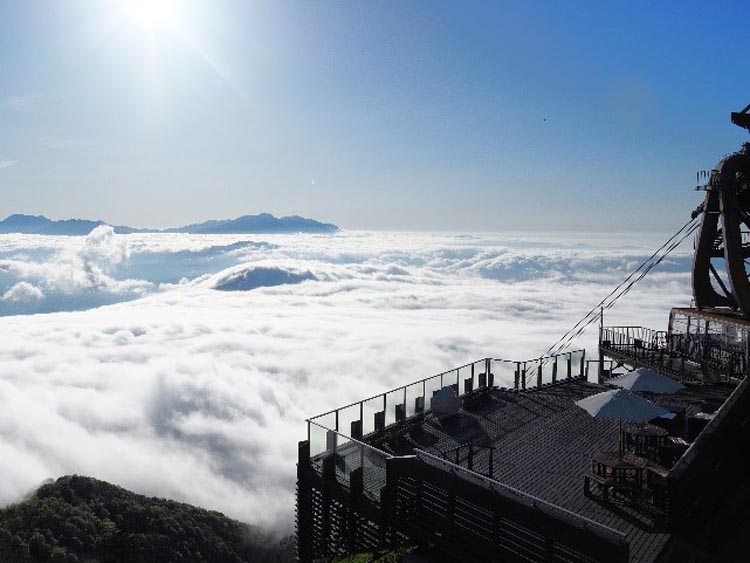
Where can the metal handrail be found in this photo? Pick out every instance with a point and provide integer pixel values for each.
(528, 498)
(546, 357)
(401, 388)
(456, 370)
(470, 457)
(349, 439)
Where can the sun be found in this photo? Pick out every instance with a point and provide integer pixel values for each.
(152, 15)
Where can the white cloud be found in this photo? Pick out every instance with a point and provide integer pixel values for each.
(201, 395)
(7, 163)
(76, 272)
(23, 291)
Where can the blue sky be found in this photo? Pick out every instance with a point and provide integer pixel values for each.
(376, 115)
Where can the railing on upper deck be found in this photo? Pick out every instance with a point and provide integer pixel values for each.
(466, 453)
(348, 455)
(634, 337)
(530, 374)
(377, 413)
(648, 347)
(683, 355)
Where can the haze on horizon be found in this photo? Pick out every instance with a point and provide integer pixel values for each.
(370, 115)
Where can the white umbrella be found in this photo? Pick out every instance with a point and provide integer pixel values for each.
(621, 404)
(644, 379)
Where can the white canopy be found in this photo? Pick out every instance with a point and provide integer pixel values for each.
(644, 379)
(621, 404)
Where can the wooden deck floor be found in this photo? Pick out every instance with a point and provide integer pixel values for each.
(543, 445)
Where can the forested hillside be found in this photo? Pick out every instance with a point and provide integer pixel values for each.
(82, 519)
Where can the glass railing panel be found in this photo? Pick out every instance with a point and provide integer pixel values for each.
(532, 371)
(576, 359)
(369, 408)
(373, 472)
(347, 415)
(548, 369)
(348, 458)
(318, 440)
(458, 379)
(393, 400)
(464, 373)
(480, 366)
(413, 392)
(504, 372)
(328, 420)
(431, 386)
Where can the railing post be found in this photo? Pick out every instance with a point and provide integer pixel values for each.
(539, 375)
(600, 375)
(362, 417)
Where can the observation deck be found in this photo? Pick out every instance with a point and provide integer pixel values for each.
(505, 477)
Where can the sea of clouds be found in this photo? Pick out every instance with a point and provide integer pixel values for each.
(185, 365)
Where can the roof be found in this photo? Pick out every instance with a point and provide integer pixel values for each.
(621, 404)
(645, 379)
(724, 316)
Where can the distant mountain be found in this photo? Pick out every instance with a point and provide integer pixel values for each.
(82, 519)
(247, 224)
(263, 223)
(40, 225)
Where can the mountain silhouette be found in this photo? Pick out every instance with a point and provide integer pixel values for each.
(246, 224)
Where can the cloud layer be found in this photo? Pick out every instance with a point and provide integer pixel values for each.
(201, 395)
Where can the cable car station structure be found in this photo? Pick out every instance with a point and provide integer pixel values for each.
(494, 461)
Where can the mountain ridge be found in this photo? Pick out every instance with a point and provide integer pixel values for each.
(262, 223)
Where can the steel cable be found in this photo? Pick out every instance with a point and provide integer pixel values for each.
(624, 287)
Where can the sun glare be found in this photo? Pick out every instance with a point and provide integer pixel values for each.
(152, 15)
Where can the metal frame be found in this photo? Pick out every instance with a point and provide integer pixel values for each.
(725, 210)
